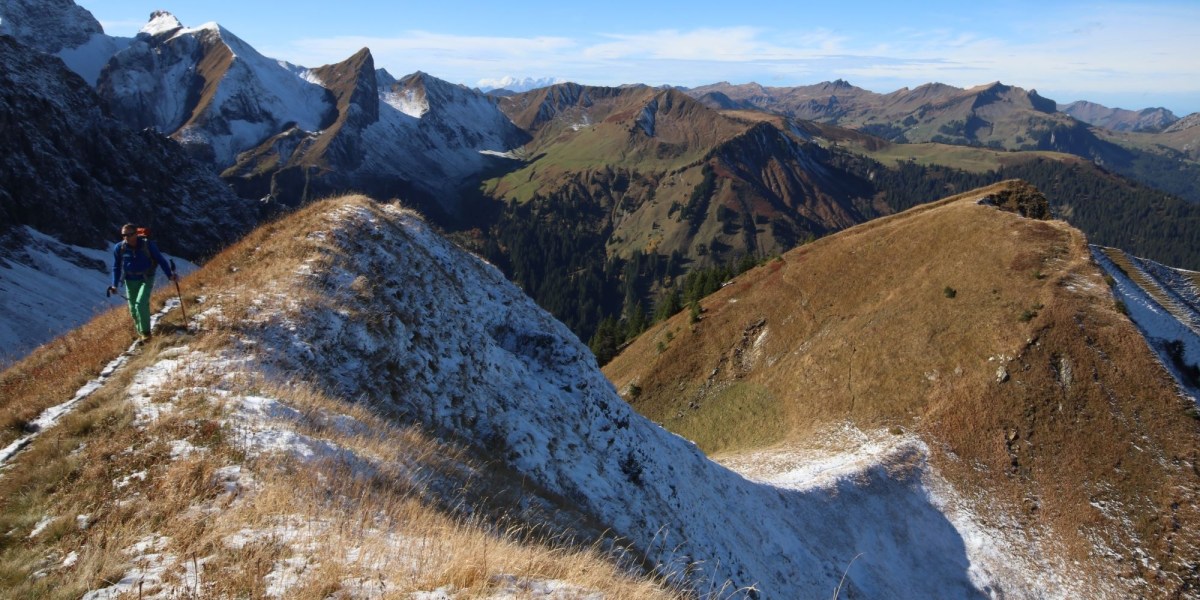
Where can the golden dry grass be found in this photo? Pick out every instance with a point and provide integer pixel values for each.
(407, 513)
(991, 335)
(52, 373)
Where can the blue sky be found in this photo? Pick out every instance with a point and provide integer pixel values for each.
(1128, 55)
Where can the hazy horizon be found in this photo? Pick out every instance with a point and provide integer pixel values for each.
(1121, 55)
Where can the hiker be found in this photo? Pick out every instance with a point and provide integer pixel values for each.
(134, 259)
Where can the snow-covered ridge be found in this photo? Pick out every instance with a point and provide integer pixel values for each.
(435, 134)
(395, 316)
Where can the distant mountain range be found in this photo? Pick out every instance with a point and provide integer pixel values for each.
(994, 116)
(698, 177)
(513, 85)
(1116, 119)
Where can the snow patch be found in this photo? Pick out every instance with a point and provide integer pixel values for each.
(407, 103)
(88, 59)
(1000, 559)
(41, 526)
(151, 565)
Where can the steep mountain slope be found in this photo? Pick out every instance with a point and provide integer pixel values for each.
(73, 172)
(1184, 135)
(362, 303)
(663, 174)
(989, 335)
(622, 191)
(61, 28)
(293, 133)
(1118, 119)
(177, 471)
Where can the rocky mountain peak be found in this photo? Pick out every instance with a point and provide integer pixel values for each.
(1041, 103)
(354, 84)
(161, 23)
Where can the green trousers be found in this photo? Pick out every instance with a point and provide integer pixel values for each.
(138, 293)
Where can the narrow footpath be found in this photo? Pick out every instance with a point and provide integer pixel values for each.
(52, 415)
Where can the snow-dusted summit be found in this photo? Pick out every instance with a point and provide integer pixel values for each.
(208, 89)
(293, 133)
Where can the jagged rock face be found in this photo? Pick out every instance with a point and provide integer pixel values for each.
(71, 171)
(208, 90)
(48, 25)
(293, 134)
(1024, 199)
(436, 135)
(418, 138)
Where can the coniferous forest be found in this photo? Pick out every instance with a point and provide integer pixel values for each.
(555, 247)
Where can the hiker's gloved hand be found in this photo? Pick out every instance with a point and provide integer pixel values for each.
(111, 290)
(173, 276)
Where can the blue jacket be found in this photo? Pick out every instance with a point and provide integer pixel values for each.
(135, 264)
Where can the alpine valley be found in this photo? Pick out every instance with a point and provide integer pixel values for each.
(555, 340)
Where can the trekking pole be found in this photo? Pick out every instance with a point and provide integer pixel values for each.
(179, 292)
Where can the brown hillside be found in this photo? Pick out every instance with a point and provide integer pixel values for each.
(660, 172)
(991, 335)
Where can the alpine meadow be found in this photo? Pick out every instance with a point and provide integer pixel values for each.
(480, 331)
